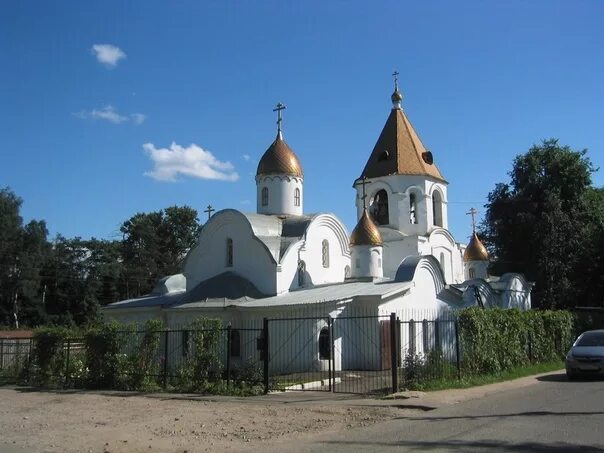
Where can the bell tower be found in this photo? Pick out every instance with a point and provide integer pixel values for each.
(406, 190)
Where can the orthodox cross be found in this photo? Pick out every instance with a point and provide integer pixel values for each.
(395, 75)
(364, 182)
(210, 210)
(472, 212)
(278, 109)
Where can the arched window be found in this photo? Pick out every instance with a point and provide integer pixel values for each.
(412, 209)
(437, 208)
(297, 197)
(325, 253)
(235, 343)
(379, 208)
(265, 196)
(442, 261)
(229, 252)
(347, 272)
(472, 273)
(301, 273)
(324, 344)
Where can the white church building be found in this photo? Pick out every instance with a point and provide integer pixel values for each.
(280, 262)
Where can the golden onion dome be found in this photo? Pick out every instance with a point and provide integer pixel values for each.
(279, 159)
(366, 232)
(475, 251)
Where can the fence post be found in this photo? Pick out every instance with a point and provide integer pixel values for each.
(393, 352)
(457, 351)
(331, 355)
(266, 355)
(67, 363)
(228, 357)
(165, 370)
(1, 354)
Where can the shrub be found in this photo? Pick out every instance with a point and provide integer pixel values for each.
(104, 358)
(497, 340)
(48, 356)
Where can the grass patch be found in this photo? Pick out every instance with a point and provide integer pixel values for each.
(474, 381)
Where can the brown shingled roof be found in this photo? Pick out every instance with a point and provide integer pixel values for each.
(399, 151)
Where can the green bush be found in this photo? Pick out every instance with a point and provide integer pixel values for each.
(497, 340)
(49, 356)
(203, 368)
(105, 360)
(142, 366)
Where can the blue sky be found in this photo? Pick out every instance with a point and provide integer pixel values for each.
(482, 81)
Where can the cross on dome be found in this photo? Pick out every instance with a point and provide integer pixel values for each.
(364, 182)
(396, 97)
(472, 212)
(279, 107)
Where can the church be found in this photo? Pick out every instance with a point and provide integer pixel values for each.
(280, 262)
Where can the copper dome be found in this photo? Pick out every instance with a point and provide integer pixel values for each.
(475, 251)
(366, 232)
(279, 159)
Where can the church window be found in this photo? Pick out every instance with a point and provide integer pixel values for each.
(412, 209)
(297, 197)
(357, 263)
(379, 208)
(442, 261)
(325, 253)
(229, 252)
(472, 273)
(384, 156)
(265, 196)
(324, 344)
(437, 208)
(347, 272)
(235, 343)
(301, 273)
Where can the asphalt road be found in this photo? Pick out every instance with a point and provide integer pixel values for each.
(553, 415)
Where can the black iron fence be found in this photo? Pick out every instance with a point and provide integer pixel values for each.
(365, 354)
(212, 360)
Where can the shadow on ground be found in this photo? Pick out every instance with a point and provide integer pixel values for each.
(460, 445)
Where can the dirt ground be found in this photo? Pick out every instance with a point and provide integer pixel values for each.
(32, 421)
(74, 421)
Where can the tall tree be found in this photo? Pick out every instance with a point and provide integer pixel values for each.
(536, 223)
(154, 245)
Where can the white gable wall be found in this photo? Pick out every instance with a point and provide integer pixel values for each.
(251, 259)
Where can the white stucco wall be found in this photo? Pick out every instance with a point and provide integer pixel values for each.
(399, 188)
(251, 259)
(281, 194)
(366, 261)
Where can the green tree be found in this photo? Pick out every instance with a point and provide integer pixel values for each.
(536, 224)
(154, 245)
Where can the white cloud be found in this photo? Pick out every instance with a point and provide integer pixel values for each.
(107, 54)
(246, 157)
(110, 113)
(191, 161)
(138, 118)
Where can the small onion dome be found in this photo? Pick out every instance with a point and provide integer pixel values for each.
(475, 251)
(366, 232)
(396, 97)
(279, 159)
